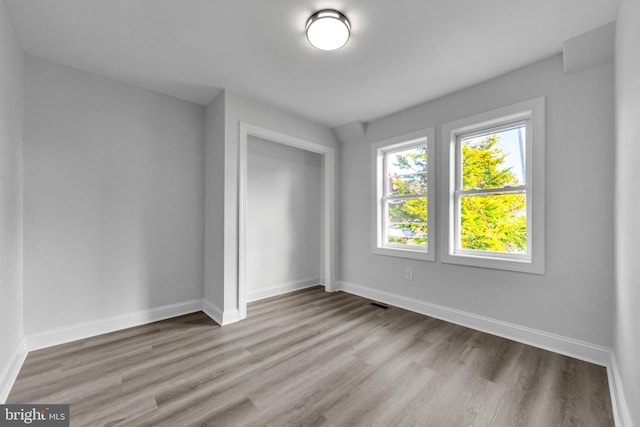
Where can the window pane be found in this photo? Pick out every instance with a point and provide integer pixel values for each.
(407, 234)
(407, 221)
(494, 160)
(407, 172)
(407, 210)
(496, 222)
(407, 185)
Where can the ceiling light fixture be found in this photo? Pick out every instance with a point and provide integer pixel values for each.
(328, 29)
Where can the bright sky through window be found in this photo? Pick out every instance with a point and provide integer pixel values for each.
(511, 142)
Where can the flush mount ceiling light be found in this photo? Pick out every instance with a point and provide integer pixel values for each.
(328, 29)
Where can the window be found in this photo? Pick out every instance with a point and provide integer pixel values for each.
(496, 189)
(403, 191)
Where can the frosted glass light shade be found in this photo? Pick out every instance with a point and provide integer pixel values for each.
(328, 29)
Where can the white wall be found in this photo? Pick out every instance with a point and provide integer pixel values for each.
(114, 198)
(575, 297)
(214, 203)
(627, 322)
(283, 220)
(11, 122)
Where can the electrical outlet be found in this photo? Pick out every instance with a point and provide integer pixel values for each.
(408, 273)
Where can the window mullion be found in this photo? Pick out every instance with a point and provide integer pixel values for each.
(405, 197)
(487, 191)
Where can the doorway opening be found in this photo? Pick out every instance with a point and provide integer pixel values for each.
(318, 156)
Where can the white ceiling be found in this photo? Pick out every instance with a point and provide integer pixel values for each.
(401, 53)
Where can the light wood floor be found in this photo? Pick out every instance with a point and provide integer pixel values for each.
(313, 358)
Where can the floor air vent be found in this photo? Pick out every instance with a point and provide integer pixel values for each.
(377, 304)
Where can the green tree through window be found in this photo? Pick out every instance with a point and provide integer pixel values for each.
(489, 222)
(494, 184)
(407, 204)
(497, 221)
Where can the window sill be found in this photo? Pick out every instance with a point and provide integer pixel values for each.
(496, 263)
(405, 253)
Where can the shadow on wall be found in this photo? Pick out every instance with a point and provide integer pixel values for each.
(283, 217)
(305, 209)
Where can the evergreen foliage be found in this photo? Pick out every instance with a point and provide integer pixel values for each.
(495, 222)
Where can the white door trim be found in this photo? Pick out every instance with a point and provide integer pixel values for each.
(328, 208)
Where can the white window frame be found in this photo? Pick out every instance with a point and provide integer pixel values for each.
(531, 113)
(378, 151)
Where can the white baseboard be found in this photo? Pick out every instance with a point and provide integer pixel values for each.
(109, 324)
(218, 315)
(559, 344)
(273, 291)
(621, 412)
(212, 311)
(11, 371)
(230, 316)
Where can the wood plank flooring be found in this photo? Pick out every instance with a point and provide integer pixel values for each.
(317, 359)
